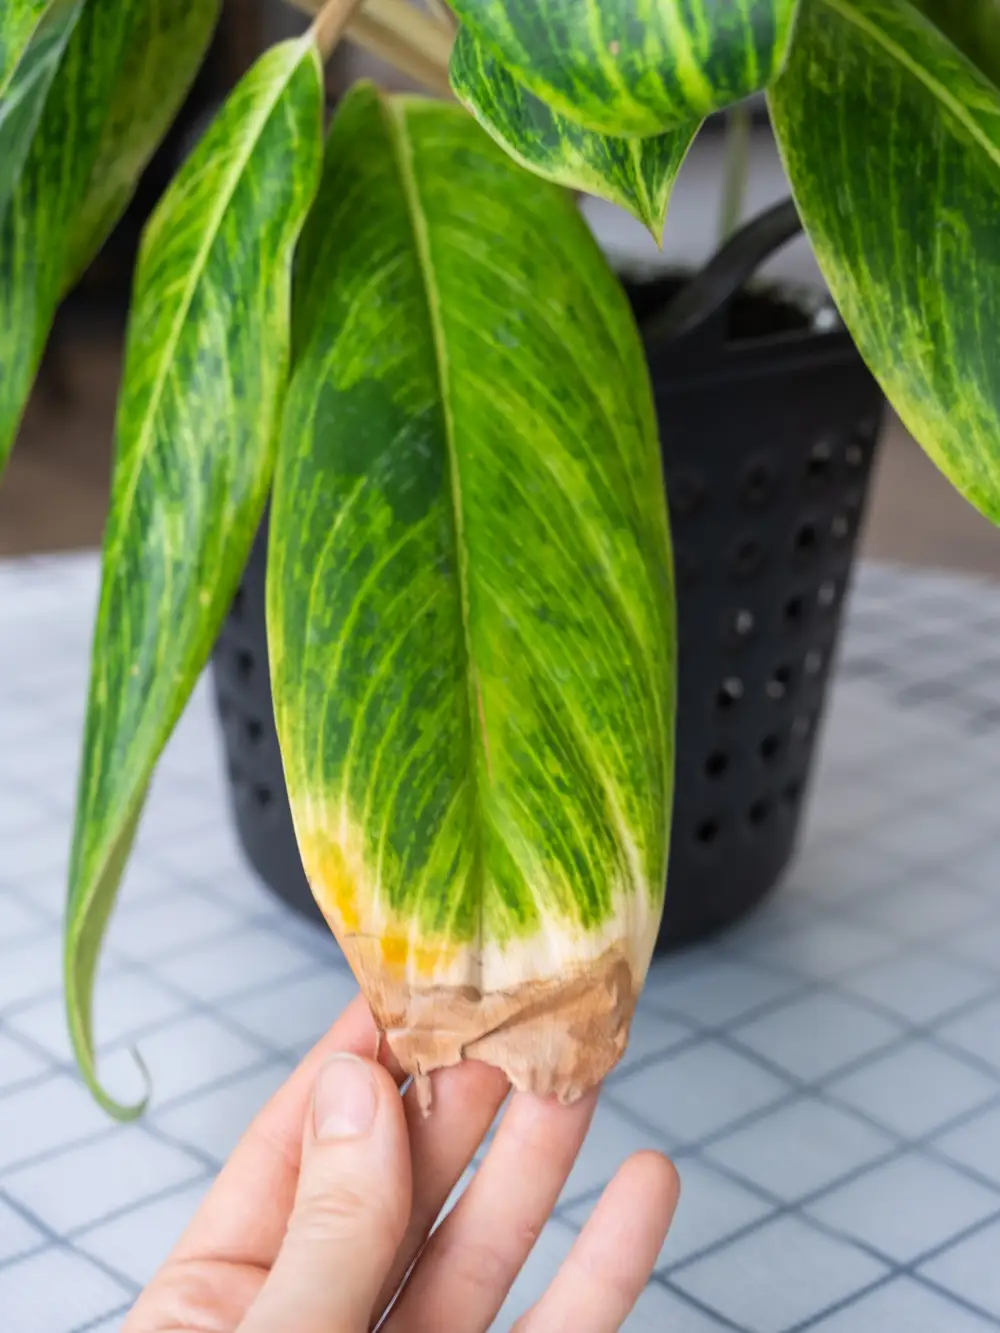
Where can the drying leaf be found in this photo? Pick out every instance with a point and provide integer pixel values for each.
(892, 142)
(470, 603)
(162, 55)
(635, 67)
(205, 374)
(638, 174)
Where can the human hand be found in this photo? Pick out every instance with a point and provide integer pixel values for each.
(329, 1199)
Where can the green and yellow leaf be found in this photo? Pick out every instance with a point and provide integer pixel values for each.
(23, 98)
(19, 23)
(205, 375)
(635, 67)
(163, 52)
(470, 603)
(44, 200)
(638, 174)
(892, 141)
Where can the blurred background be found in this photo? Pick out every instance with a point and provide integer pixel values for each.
(55, 491)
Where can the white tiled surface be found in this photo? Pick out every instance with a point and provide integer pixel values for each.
(827, 1075)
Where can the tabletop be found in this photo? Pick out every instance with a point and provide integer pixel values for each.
(826, 1075)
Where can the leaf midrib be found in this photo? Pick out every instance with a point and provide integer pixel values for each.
(400, 139)
(850, 13)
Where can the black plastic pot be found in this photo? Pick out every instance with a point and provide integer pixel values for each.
(769, 421)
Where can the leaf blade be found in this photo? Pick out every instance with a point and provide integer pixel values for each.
(635, 67)
(193, 462)
(52, 177)
(19, 22)
(892, 142)
(637, 174)
(163, 52)
(468, 502)
(22, 101)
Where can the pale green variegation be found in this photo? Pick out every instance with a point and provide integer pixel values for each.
(71, 155)
(205, 374)
(45, 199)
(892, 142)
(163, 52)
(23, 99)
(19, 22)
(635, 67)
(638, 174)
(470, 607)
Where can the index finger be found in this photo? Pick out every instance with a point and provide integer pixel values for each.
(243, 1217)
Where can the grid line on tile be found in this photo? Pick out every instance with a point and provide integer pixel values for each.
(837, 943)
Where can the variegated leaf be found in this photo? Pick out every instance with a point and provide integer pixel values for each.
(44, 200)
(638, 174)
(162, 54)
(23, 99)
(19, 22)
(635, 67)
(892, 142)
(470, 606)
(205, 375)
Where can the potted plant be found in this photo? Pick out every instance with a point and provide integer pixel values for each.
(470, 606)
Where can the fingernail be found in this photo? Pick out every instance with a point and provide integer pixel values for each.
(345, 1099)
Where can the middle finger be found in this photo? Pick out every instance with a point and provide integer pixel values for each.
(466, 1099)
(463, 1276)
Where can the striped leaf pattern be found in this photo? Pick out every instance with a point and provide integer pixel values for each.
(205, 374)
(892, 142)
(19, 22)
(470, 608)
(638, 174)
(24, 97)
(635, 67)
(44, 201)
(162, 55)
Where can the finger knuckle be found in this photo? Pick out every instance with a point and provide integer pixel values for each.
(330, 1210)
(475, 1263)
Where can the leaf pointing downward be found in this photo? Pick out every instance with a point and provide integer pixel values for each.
(470, 611)
(23, 99)
(205, 372)
(165, 47)
(638, 174)
(45, 199)
(892, 142)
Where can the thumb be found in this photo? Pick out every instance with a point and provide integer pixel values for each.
(351, 1206)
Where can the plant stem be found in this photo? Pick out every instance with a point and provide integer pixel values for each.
(739, 120)
(330, 22)
(414, 42)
